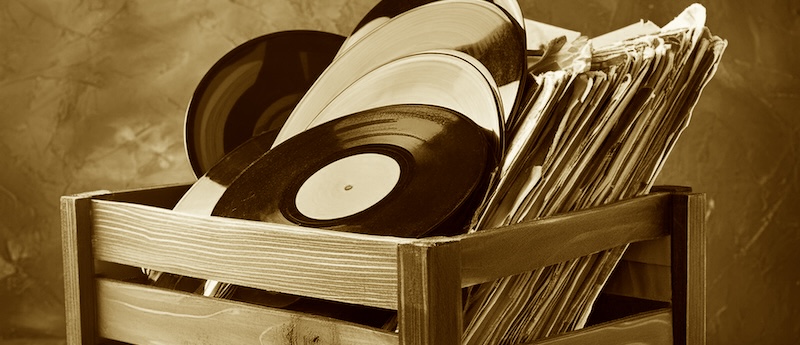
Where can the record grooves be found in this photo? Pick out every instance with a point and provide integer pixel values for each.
(445, 78)
(252, 89)
(478, 28)
(443, 159)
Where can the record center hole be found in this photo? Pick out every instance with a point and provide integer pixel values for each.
(348, 187)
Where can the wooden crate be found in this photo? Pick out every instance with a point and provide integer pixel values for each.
(420, 278)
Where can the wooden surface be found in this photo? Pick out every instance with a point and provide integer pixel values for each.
(139, 314)
(655, 252)
(79, 294)
(430, 293)
(158, 196)
(689, 268)
(641, 280)
(652, 328)
(351, 268)
(345, 267)
(644, 271)
(491, 254)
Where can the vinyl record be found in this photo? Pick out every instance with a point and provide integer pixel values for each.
(370, 172)
(480, 29)
(387, 9)
(378, 15)
(445, 78)
(202, 196)
(200, 199)
(252, 89)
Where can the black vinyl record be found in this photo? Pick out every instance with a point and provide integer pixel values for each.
(388, 9)
(202, 196)
(478, 28)
(391, 8)
(252, 89)
(400, 170)
(445, 78)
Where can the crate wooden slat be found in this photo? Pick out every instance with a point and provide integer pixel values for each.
(422, 279)
(332, 265)
(488, 255)
(136, 314)
(651, 328)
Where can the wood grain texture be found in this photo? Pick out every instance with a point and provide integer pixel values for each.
(650, 328)
(140, 314)
(689, 268)
(79, 292)
(430, 293)
(491, 254)
(338, 266)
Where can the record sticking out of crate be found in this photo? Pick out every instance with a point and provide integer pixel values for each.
(107, 236)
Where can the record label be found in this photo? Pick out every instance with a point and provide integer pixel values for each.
(346, 186)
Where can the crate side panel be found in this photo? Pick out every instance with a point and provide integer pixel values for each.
(651, 328)
(350, 268)
(158, 196)
(139, 314)
(491, 254)
(641, 280)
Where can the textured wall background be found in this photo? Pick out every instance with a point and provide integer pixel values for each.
(92, 96)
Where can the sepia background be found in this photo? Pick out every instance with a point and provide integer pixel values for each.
(93, 93)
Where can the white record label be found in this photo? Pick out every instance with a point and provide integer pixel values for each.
(347, 186)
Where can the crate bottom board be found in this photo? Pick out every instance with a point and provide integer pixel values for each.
(135, 313)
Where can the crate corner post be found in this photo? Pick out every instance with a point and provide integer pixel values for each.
(429, 292)
(78, 264)
(689, 268)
